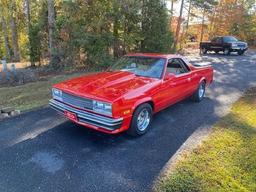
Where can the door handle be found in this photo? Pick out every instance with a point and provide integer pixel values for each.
(189, 79)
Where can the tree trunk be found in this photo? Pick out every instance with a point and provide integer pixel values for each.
(51, 26)
(13, 25)
(178, 25)
(29, 32)
(188, 18)
(212, 23)
(143, 24)
(202, 29)
(6, 38)
(172, 3)
(115, 31)
(116, 38)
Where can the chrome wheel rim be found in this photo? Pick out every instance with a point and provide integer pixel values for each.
(143, 120)
(201, 90)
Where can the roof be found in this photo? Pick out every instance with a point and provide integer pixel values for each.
(153, 55)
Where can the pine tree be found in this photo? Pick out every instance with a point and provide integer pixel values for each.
(155, 27)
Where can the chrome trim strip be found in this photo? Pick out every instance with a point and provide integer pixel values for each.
(86, 115)
(102, 126)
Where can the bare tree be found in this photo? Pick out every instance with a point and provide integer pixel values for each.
(188, 17)
(6, 38)
(206, 7)
(178, 25)
(13, 26)
(172, 10)
(202, 27)
(51, 25)
(27, 7)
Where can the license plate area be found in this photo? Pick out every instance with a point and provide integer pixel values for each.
(71, 116)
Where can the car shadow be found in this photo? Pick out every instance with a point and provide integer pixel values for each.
(118, 161)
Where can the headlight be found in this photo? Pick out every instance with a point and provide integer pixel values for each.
(102, 107)
(57, 94)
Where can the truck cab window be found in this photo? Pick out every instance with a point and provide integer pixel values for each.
(219, 40)
(214, 40)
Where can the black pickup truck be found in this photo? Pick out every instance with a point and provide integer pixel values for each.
(227, 44)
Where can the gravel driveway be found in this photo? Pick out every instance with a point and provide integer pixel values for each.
(41, 151)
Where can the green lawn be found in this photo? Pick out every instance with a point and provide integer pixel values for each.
(226, 161)
(30, 95)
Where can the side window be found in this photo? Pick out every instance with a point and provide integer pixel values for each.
(214, 40)
(177, 66)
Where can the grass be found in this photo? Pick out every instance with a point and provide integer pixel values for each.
(30, 95)
(226, 161)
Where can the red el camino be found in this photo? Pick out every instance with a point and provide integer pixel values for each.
(125, 97)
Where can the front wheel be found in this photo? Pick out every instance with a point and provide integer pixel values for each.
(141, 120)
(226, 51)
(200, 92)
(240, 52)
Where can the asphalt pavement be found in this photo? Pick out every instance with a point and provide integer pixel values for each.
(42, 151)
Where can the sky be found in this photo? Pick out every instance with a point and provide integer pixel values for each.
(176, 7)
(185, 10)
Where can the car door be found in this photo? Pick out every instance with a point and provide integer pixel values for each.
(179, 86)
(220, 43)
(213, 43)
(216, 43)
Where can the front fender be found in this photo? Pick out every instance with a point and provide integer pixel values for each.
(141, 101)
(202, 79)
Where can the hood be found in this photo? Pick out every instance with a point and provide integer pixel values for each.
(106, 86)
(239, 43)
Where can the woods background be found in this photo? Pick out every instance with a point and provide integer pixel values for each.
(92, 33)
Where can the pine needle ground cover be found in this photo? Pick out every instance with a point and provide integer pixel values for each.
(226, 161)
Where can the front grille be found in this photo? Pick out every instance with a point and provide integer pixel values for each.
(241, 45)
(76, 101)
(86, 117)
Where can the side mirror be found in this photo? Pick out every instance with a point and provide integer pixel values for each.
(169, 76)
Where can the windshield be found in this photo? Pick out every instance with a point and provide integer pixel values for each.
(141, 66)
(229, 39)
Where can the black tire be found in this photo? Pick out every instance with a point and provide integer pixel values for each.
(240, 52)
(134, 130)
(226, 51)
(198, 97)
(204, 50)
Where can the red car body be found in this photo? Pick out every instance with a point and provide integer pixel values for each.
(125, 92)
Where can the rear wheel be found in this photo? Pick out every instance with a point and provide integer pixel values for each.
(204, 50)
(200, 92)
(141, 120)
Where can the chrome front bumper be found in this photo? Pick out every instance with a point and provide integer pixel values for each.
(107, 123)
